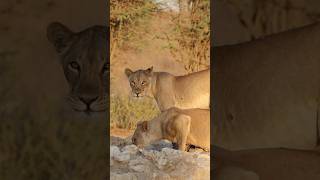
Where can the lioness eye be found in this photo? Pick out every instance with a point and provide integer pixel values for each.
(143, 83)
(132, 83)
(74, 65)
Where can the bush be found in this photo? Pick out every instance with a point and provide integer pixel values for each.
(189, 40)
(126, 112)
(125, 17)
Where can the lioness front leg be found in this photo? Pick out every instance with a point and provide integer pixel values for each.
(182, 125)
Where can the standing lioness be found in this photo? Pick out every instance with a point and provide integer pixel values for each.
(189, 126)
(184, 92)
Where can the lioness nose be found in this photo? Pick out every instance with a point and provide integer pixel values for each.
(88, 100)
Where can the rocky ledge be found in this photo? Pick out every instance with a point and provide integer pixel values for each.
(158, 161)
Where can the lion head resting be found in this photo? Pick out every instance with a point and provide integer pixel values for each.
(83, 57)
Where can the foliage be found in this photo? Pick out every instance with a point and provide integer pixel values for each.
(261, 18)
(189, 40)
(126, 112)
(125, 16)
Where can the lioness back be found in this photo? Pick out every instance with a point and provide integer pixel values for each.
(200, 127)
(199, 134)
(193, 90)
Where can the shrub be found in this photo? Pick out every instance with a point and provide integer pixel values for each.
(126, 112)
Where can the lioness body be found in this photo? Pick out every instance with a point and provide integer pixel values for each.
(190, 126)
(267, 164)
(184, 92)
(266, 92)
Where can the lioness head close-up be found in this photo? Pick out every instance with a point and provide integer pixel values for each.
(142, 136)
(140, 81)
(83, 56)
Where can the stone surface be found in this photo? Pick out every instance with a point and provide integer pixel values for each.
(158, 161)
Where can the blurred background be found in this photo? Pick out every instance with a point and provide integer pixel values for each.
(236, 21)
(36, 140)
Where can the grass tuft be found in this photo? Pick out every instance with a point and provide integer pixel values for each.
(125, 112)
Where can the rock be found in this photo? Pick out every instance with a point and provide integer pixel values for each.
(131, 149)
(159, 145)
(117, 141)
(114, 151)
(125, 176)
(117, 155)
(158, 161)
(139, 165)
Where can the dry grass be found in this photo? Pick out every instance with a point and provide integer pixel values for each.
(125, 112)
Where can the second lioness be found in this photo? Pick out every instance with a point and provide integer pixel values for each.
(189, 126)
(185, 92)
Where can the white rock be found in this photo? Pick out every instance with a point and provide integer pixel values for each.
(163, 164)
(159, 145)
(140, 165)
(122, 157)
(124, 176)
(114, 151)
(116, 154)
(131, 149)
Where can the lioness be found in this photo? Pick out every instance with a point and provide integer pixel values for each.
(188, 126)
(266, 92)
(266, 164)
(184, 92)
(83, 57)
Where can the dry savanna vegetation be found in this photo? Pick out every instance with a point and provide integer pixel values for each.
(149, 32)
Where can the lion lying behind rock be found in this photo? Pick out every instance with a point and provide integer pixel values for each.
(184, 127)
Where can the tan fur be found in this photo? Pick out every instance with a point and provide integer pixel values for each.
(266, 164)
(266, 92)
(190, 126)
(184, 92)
(83, 58)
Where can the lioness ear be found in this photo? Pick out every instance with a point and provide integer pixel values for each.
(59, 35)
(149, 70)
(128, 72)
